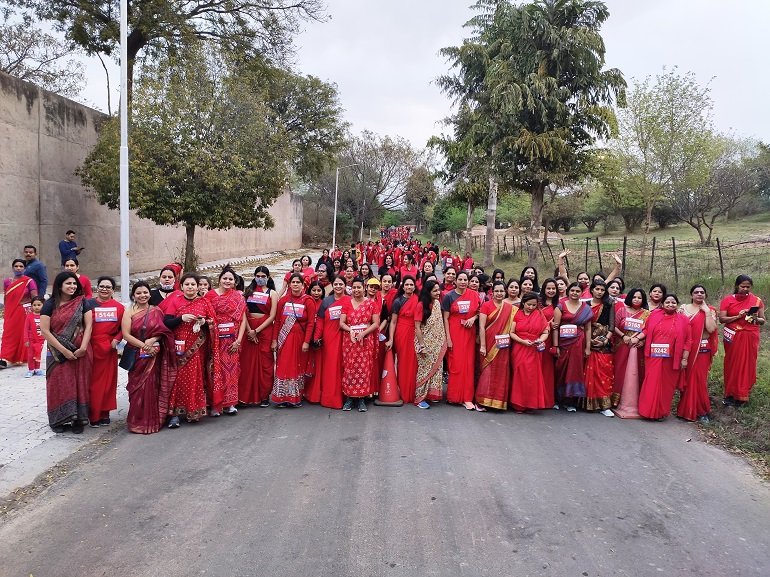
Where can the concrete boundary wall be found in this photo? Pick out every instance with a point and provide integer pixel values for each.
(43, 139)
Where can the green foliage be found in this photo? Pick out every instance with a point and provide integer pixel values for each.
(449, 216)
(419, 195)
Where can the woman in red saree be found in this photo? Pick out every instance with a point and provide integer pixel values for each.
(630, 324)
(312, 392)
(742, 313)
(328, 335)
(152, 378)
(402, 337)
(192, 320)
(230, 325)
(666, 353)
(694, 402)
(460, 308)
(600, 369)
(72, 265)
(495, 319)
(529, 332)
(291, 343)
(571, 346)
(66, 322)
(19, 291)
(549, 300)
(430, 337)
(360, 318)
(106, 334)
(257, 362)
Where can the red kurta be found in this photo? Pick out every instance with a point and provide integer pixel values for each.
(530, 389)
(104, 377)
(460, 358)
(741, 341)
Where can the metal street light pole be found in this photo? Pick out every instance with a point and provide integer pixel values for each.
(336, 191)
(124, 214)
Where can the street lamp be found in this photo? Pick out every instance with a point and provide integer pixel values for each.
(336, 191)
(124, 214)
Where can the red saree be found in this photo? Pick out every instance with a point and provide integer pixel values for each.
(461, 357)
(67, 381)
(430, 376)
(600, 369)
(741, 341)
(18, 292)
(328, 330)
(357, 358)
(403, 346)
(629, 364)
(668, 336)
(570, 370)
(257, 359)
(530, 389)
(549, 363)
(104, 374)
(229, 309)
(312, 392)
(293, 328)
(152, 378)
(694, 401)
(495, 376)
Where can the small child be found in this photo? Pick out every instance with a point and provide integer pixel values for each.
(33, 339)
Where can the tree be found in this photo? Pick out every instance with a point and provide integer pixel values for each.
(420, 195)
(204, 152)
(31, 54)
(250, 26)
(609, 170)
(595, 207)
(535, 75)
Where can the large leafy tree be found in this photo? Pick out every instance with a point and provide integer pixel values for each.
(533, 80)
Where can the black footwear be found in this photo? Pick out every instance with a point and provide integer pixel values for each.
(704, 419)
(3, 364)
(265, 403)
(59, 429)
(77, 428)
(361, 406)
(173, 423)
(728, 402)
(105, 422)
(348, 406)
(94, 424)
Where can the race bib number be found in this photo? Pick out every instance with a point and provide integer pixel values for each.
(502, 341)
(293, 310)
(106, 315)
(728, 335)
(633, 325)
(660, 350)
(258, 298)
(27, 308)
(463, 307)
(334, 313)
(37, 327)
(358, 329)
(179, 347)
(568, 331)
(540, 347)
(705, 347)
(155, 347)
(226, 330)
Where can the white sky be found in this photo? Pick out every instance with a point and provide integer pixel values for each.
(383, 56)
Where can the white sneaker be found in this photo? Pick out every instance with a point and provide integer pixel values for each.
(571, 409)
(556, 407)
(215, 413)
(608, 413)
(29, 374)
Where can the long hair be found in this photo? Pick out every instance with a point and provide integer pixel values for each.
(58, 282)
(426, 299)
(554, 301)
(252, 285)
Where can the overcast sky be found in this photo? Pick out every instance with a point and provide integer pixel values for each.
(383, 56)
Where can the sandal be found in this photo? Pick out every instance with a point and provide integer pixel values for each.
(481, 409)
(471, 408)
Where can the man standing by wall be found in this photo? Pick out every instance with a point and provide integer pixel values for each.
(35, 269)
(68, 248)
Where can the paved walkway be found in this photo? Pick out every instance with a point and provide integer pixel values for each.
(28, 447)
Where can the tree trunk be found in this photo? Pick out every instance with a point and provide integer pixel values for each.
(469, 229)
(536, 221)
(491, 217)
(647, 223)
(190, 261)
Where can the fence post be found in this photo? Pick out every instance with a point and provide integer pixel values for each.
(586, 267)
(652, 255)
(623, 270)
(498, 245)
(599, 254)
(676, 269)
(540, 244)
(550, 252)
(721, 262)
(564, 248)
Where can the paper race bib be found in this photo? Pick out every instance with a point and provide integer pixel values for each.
(568, 331)
(27, 308)
(293, 310)
(258, 298)
(502, 341)
(358, 329)
(705, 347)
(540, 347)
(463, 307)
(335, 312)
(37, 327)
(660, 350)
(179, 347)
(728, 335)
(226, 330)
(633, 325)
(106, 314)
(155, 347)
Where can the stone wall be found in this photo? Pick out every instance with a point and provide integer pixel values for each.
(43, 139)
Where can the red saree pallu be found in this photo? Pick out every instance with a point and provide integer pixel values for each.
(495, 375)
(188, 396)
(600, 366)
(357, 358)
(741, 342)
(530, 388)
(17, 294)
(403, 346)
(152, 378)
(460, 358)
(104, 373)
(257, 365)
(67, 381)
(694, 401)
(570, 368)
(294, 327)
(331, 353)
(229, 309)
(430, 375)
(668, 336)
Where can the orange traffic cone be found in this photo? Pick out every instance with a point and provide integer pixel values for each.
(390, 396)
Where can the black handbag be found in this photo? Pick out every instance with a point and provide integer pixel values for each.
(128, 358)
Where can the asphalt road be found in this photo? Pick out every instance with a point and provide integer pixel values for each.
(398, 492)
